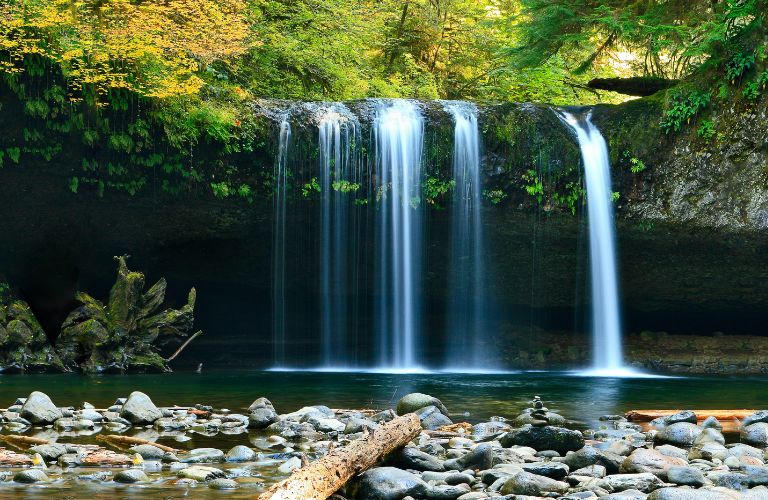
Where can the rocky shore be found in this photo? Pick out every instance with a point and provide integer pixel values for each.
(535, 454)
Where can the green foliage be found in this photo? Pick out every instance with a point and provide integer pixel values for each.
(683, 108)
(310, 188)
(636, 165)
(344, 186)
(706, 130)
(738, 65)
(495, 196)
(5, 292)
(435, 190)
(574, 192)
(615, 196)
(221, 190)
(533, 185)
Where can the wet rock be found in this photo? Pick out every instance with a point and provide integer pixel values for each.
(139, 409)
(38, 409)
(261, 403)
(432, 418)
(131, 476)
(201, 473)
(481, 457)
(645, 482)
(290, 465)
(553, 470)
(203, 455)
(486, 429)
(411, 458)
(597, 471)
(261, 418)
(447, 492)
(239, 453)
(645, 460)
(559, 439)
(589, 455)
(678, 434)
(356, 424)
(388, 483)
(29, 476)
(91, 415)
(686, 494)
(327, 425)
(525, 483)
(49, 452)
(170, 424)
(148, 452)
(223, 484)
(455, 478)
(672, 451)
(755, 434)
(411, 403)
(686, 476)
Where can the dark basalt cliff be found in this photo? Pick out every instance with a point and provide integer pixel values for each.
(691, 226)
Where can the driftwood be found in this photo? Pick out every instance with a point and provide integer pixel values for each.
(10, 458)
(324, 477)
(648, 415)
(106, 458)
(128, 441)
(182, 346)
(22, 442)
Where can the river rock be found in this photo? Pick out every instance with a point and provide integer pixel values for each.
(645, 482)
(239, 453)
(411, 403)
(201, 473)
(50, 451)
(432, 418)
(261, 418)
(678, 434)
(682, 416)
(597, 471)
(447, 492)
(261, 403)
(686, 476)
(589, 455)
(203, 455)
(481, 457)
(327, 425)
(645, 460)
(148, 452)
(672, 451)
(525, 483)
(412, 458)
(388, 483)
(139, 409)
(28, 476)
(688, 494)
(131, 476)
(711, 423)
(358, 424)
(758, 416)
(38, 409)
(487, 429)
(755, 434)
(553, 470)
(560, 439)
(223, 484)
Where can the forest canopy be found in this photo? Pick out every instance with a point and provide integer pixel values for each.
(152, 84)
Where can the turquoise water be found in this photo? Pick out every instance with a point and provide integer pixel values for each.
(471, 397)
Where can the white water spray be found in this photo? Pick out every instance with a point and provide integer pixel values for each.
(399, 137)
(466, 302)
(278, 239)
(608, 358)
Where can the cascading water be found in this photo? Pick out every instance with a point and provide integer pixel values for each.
(466, 302)
(338, 134)
(278, 239)
(399, 136)
(608, 358)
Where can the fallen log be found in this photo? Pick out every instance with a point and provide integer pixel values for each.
(10, 458)
(324, 477)
(636, 86)
(22, 442)
(128, 441)
(106, 458)
(648, 415)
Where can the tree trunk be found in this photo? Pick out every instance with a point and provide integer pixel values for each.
(323, 478)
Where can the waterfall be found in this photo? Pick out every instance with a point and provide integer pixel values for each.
(466, 302)
(278, 241)
(606, 322)
(338, 132)
(398, 136)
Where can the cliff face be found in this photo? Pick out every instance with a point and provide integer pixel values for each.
(693, 250)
